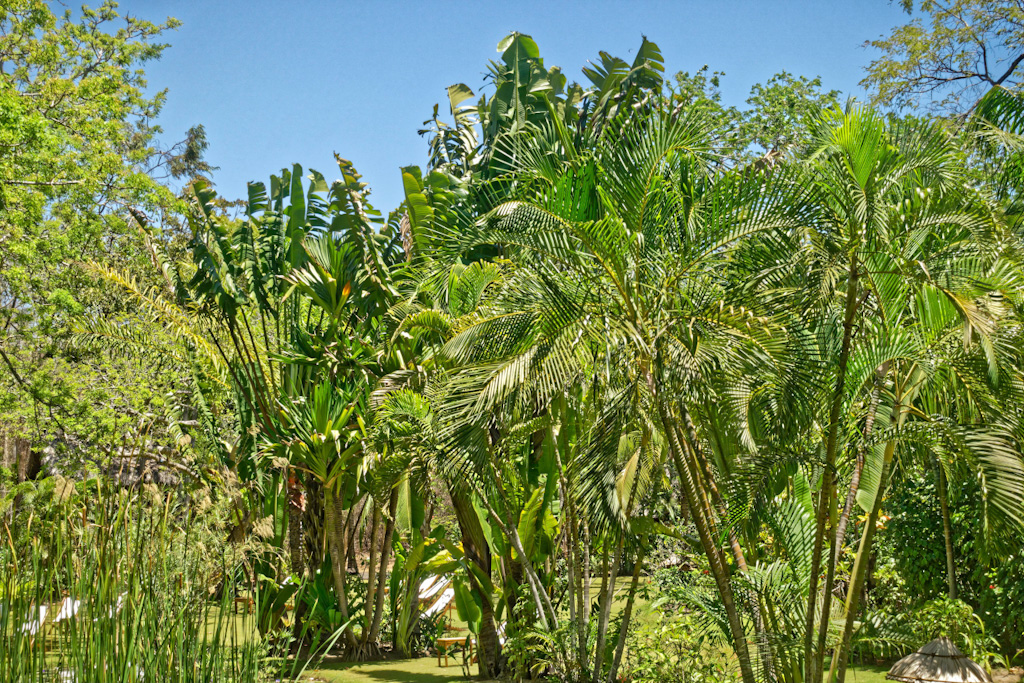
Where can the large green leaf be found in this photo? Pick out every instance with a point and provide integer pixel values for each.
(467, 603)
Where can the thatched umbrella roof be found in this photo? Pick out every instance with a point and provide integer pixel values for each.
(940, 661)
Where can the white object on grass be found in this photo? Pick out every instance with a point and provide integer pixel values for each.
(116, 608)
(432, 586)
(68, 610)
(35, 622)
(441, 603)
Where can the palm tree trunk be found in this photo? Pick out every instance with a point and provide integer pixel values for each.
(382, 573)
(352, 532)
(545, 610)
(489, 650)
(947, 528)
(716, 495)
(295, 524)
(859, 571)
(688, 475)
(575, 559)
(764, 652)
(607, 594)
(813, 658)
(869, 425)
(585, 576)
(474, 544)
(334, 520)
(574, 562)
(371, 574)
(627, 615)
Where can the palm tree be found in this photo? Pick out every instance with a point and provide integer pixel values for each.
(622, 251)
(887, 219)
(863, 179)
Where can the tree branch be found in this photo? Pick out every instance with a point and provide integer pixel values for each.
(43, 183)
(1013, 66)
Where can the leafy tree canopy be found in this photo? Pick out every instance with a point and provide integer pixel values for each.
(78, 155)
(948, 58)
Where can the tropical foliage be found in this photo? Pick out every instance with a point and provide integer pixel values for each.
(613, 326)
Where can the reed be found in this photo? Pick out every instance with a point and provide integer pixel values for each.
(153, 604)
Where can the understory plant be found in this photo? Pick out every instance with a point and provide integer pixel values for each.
(676, 648)
(131, 586)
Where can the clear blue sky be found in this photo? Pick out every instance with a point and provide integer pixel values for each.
(291, 81)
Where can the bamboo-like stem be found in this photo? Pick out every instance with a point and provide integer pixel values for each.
(813, 657)
(607, 595)
(627, 615)
(385, 557)
(687, 468)
(371, 573)
(947, 528)
(869, 425)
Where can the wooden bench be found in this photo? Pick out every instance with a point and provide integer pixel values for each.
(250, 604)
(451, 641)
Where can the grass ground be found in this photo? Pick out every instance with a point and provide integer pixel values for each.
(866, 673)
(425, 670)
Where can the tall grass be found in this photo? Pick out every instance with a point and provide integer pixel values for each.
(155, 605)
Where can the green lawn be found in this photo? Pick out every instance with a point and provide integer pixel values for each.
(866, 673)
(425, 670)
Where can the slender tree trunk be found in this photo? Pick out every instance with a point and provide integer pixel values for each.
(27, 465)
(716, 495)
(295, 524)
(586, 576)
(474, 543)
(859, 566)
(334, 519)
(371, 574)
(545, 610)
(627, 615)
(512, 578)
(542, 601)
(351, 532)
(581, 578)
(869, 425)
(296, 547)
(688, 474)
(862, 562)
(608, 594)
(947, 528)
(813, 657)
(764, 652)
(385, 557)
(571, 585)
(489, 650)
(573, 560)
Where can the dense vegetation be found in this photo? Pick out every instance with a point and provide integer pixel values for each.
(753, 373)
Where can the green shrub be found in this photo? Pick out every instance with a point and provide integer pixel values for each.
(886, 635)
(675, 649)
(1001, 602)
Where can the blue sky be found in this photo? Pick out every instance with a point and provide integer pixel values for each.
(277, 83)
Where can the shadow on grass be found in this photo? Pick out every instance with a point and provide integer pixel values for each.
(867, 673)
(406, 677)
(403, 671)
